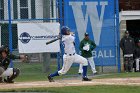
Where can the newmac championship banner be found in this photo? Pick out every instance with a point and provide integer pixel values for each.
(32, 37)
(97, 17)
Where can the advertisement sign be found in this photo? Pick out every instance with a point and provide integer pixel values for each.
(32, 37)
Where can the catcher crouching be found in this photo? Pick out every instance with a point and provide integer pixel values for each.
(7, 75)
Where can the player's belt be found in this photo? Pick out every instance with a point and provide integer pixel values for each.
(70, 54)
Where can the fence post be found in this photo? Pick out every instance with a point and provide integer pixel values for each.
(46, 56)
(118, 35)
(61, 24)
(0, 35)
(10, 29)
(46, 62)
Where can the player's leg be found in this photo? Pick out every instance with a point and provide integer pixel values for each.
(68, 60)
(1, 72)
(84, 62)
(66, 66)
(15, 74)
(11, 74)
(130, 64)
(80, 71)
(126, 64)
(137, 64)
(92, 64)
(7, 72)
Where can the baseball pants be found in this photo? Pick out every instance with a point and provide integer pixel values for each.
(137, 64)
(92, 65)
(69, 60)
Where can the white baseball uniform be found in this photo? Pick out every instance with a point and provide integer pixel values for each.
(70, 55)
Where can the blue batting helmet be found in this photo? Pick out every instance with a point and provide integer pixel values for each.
(64, 30)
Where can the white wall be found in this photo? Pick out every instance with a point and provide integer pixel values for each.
(39, 8)
(129, 15)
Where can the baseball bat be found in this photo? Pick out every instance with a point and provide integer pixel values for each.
(49, 42)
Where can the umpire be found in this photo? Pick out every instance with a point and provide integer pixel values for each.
(8, 74)
(128, 47)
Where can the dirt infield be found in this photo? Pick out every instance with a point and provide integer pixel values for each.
(72, 82)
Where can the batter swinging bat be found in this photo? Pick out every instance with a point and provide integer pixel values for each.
(52, 41)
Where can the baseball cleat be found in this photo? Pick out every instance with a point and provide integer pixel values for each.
(86, 79)
(50, 79)
(8, 81)
(1, 81)
(80, 73)
(95, 73)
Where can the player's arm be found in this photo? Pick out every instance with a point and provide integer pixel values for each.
(134, 47)
(93, 46)
(72, 38)
(12, 56)
(122, 44)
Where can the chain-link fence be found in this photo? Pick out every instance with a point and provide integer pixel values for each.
(34, 11)
(13, 12)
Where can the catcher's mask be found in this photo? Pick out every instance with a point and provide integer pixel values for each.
(4, 48)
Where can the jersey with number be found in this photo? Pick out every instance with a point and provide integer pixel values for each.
(68, 41)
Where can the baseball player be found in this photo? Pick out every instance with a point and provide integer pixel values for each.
(86, 48)
(8, 74)
(70, 56)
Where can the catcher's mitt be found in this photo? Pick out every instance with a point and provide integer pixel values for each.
(24, 58)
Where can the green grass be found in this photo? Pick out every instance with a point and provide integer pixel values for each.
(33, 72)
(82, 89)
(118, 75)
